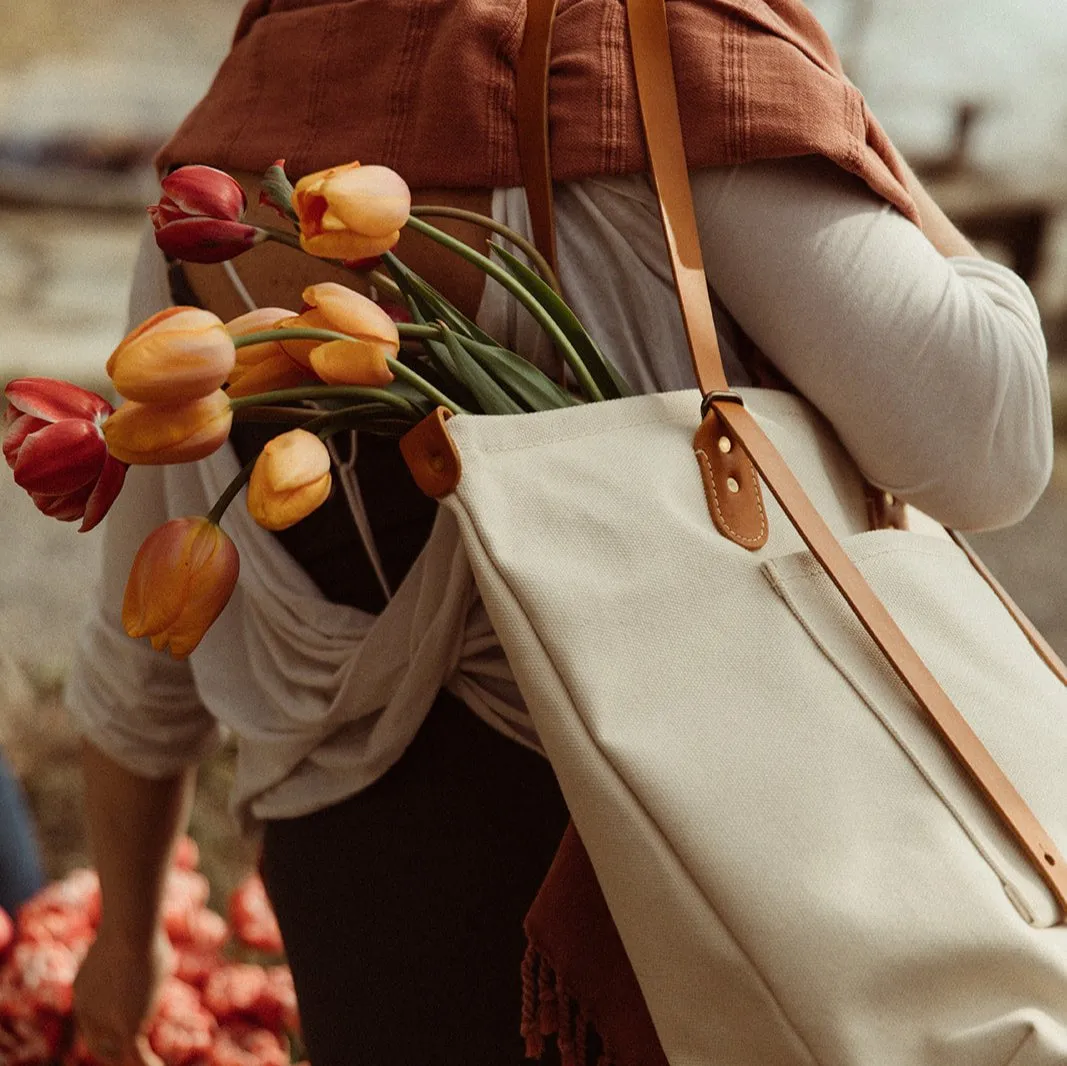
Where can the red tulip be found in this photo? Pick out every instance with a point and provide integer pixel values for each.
(198, 218)
(54, 443)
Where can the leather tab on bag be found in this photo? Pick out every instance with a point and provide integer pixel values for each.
(431, 455)
(731, 485)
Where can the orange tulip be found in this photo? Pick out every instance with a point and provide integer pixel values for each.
(351, 363)
(332, 306)
(151, 434)
(180, 354)
(182, 577)
(291, 479)
(266, 366)
(351, 212)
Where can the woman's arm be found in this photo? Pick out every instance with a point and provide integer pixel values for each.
(134, 823)
(933, 370)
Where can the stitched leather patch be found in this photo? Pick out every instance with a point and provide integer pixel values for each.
(731, 485)
(431, 456)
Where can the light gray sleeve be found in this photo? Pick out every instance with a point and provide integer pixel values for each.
(137, 705)
(933, 371)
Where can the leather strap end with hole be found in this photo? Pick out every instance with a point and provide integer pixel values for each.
(431, 455)
(731, 485)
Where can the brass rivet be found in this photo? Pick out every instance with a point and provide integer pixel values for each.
(889, 500)
(732, 485)
(725, 444)
(437, 463)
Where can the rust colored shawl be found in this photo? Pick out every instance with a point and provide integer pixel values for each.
(428, 88)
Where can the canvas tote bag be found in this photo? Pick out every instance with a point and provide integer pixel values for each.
(820, 770)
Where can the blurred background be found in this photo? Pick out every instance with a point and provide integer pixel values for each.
(972, 91)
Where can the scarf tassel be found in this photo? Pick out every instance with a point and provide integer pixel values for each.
(548, 1008)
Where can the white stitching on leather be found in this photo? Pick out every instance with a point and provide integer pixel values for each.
(703, 457)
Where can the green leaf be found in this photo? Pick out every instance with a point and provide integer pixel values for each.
(610, 382)
(535, 390)
(492, 399)
(279, 191)
(438, 306)
(422, 404)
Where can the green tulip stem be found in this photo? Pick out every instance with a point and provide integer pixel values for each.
(296, 416)
(231, 490)
(320, 392)
(540, 315)
(280, 236)
(404, 373)
(405, 329)
(308, 334)
(384, 283)
(539, 262)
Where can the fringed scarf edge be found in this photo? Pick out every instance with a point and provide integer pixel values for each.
(548, 1008)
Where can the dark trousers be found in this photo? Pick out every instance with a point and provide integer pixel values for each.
(402, 907)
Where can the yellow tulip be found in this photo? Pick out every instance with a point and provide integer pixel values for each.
(291, 479)
(151, 434)
(180, 354)
(351, 363)
(351, 212)
(182, 577)
(262, 367)
(332, 306)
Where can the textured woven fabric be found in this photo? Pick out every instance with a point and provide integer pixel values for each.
(428, 88)
(777, 832)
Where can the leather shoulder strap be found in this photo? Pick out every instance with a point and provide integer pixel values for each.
(663, 131)
(650, 43)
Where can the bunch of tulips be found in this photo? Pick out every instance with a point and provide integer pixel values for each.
(229, 1000)
(341, 362)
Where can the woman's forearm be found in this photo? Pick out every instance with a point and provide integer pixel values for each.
(133, 824)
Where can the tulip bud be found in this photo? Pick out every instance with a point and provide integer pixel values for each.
(179, 354)
(207, 240)
(359, 362)
(332, 306)
(291, 479)
(351, 212)
(198, 218)
(182, 577)
(157, 434)
(54, 444)
(262, 367)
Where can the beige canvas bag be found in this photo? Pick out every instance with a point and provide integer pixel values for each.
(821, 770)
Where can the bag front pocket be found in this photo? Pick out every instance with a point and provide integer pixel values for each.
(981, 658)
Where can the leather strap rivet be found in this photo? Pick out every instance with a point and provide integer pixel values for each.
(437, 463)
(725, 444)
(732, 485)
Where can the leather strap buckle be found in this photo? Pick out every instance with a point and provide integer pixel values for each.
(717, 395)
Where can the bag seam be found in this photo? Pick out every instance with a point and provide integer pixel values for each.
(780, 586)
